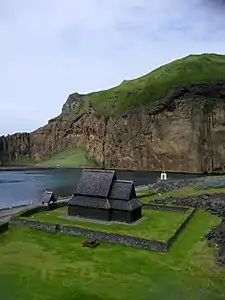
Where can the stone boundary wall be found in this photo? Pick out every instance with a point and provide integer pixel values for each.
(4, 227)
(215, 204)
(116, 238)
(180, 229)
(35, 224)
(105, 236)
(165, 207)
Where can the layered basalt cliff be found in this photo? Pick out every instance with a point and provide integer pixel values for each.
(183, 131)
(14, 147)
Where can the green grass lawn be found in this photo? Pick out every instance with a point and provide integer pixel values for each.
(36, 265)
(70, 157)
(181, 192)
(146, 89)
(156, 225)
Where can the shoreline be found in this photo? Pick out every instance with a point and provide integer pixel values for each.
(7, 212)
(42, 168)
(161, 186)
(15, 206)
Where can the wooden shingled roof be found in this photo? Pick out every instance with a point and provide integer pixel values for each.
(95, 183)
(48, 197)
(101, 189)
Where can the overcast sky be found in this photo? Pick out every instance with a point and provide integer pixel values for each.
(51, 48)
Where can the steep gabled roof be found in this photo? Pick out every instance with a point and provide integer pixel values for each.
(95, 183)
(48, 196)
(123, 190)
(101, 189)
(123, 196)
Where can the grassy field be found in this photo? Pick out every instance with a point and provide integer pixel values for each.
(43, 266)
(146, 89)
(156, 225)
(181, 192)
(70, 157)
(25, 161)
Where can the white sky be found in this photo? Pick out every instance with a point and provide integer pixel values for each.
(51, 48)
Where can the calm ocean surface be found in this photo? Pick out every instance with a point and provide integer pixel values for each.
(20, 187)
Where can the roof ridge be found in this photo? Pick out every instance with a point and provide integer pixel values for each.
(99, 170)
(123, 180)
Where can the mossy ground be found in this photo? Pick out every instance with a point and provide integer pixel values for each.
(155, 225)
(45, 266)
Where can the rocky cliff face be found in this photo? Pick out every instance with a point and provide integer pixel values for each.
(185, 132)
(14, 147)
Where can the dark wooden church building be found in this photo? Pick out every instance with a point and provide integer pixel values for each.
(101, 196)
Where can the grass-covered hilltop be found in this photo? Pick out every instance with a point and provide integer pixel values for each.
(172, 114)
(147, 89)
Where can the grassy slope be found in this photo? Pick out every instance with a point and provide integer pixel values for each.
(70, 157)
(156, 225)
(44, 266)
(146, 89)
(22, 162)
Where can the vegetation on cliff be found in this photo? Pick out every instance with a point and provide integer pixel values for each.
(186, 95)
(70, 157)
(145, 90)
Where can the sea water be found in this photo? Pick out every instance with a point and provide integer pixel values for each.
(23, 187)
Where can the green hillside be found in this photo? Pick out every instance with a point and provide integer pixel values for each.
(70, 157)
(144, 90)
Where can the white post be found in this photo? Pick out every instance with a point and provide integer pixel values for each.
(163, 176)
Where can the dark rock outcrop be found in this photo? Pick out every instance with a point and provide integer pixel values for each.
(184, 131)
(217, 236)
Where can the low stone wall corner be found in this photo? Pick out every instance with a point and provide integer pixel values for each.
(180, 229)
(4, 227)
(36, 224)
